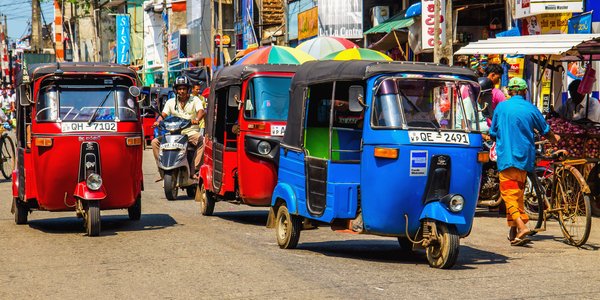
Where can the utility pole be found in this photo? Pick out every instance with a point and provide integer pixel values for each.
(221, 32)
(36, 27)
(165, 45)
(436, 31)
(448, 51)
(443, 49)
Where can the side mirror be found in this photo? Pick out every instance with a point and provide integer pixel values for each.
(22, 93)
(356, 98)
(134, 91)
(233, 97)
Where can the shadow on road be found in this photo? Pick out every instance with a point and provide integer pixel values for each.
(390, 252)
(110, 225)
(248, 217)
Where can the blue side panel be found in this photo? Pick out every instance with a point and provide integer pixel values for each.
(342, 192)
(390, 189)
(291, 180)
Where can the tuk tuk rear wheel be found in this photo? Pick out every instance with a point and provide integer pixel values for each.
(170, 186)
(443, 252)
(21, 212)
(135, 211)
(92, 218)
(288, 228)
(207, 202)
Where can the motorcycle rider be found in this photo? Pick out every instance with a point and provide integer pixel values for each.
(187, 107)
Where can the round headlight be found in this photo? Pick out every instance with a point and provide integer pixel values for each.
(264, 147)
(94, 182)
(456, 203)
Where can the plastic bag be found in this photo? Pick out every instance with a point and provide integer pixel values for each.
(587, 83)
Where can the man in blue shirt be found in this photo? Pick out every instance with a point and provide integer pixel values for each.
(513, 127)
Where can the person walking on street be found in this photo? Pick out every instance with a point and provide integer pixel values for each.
(494, 72)
(513, 127)
(186, 107)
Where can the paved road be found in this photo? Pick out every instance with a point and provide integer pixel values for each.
(174, 252)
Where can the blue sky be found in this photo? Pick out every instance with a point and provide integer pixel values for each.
(18, 13)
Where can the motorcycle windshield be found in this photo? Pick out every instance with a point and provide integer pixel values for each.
(268, 98)
(427, 103)
(77, 103)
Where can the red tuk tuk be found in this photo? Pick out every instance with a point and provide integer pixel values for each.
(245, 121)
(79, 141)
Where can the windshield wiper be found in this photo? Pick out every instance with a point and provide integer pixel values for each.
(93, 117)
(415, 107)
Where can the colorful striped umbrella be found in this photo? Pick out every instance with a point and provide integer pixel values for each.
(275, 55)
(358, 54)
(325, 45)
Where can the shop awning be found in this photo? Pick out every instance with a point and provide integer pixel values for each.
(549, 44)
(391, 24)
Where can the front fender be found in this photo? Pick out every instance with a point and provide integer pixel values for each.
(83, 192)
(286, 193)
(436, 211)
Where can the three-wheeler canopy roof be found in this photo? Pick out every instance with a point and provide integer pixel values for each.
(314, 72)
(36, 71)
(234, 75)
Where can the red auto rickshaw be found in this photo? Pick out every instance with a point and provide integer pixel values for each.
(79, 141)
(245, 121)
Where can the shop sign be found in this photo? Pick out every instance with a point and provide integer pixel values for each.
(581, 24)
(247, 23)
(516, 64)
(546, 24)
(173, 46)
(428, 22)
(341, 18)
(308, 23)
(526, 8)
(123, 40)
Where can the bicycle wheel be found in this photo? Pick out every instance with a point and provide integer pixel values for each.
(8, 157)
(575, 216)
(535, 191)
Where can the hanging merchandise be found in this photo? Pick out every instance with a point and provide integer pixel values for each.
(495, 24)
(587, 83)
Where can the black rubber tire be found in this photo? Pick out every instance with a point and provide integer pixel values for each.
(443, 253)
(191, 191)
(135, 211)
(533, 197)
(8, 157)
(405, 244)
(92, 218)
(207, 202)
(21, 212)
(287, 228)
(572, 182)
(170, 185)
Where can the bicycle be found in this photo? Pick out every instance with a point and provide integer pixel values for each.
(7, 153)
(569, 199)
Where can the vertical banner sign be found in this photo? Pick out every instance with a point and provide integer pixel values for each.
(341, 18)
(247, 23)
(428, 22)
(123, 39)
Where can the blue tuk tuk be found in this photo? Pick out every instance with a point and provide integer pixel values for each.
(384, 148)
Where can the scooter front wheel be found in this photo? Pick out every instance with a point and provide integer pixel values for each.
(170, 185)
(443, 252)
(92, 218)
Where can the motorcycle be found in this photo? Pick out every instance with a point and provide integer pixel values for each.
(176, 158)
(489, 192)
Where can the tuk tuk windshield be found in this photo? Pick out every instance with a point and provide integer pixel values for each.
(78, 103)
(268, 98)
(426, 103)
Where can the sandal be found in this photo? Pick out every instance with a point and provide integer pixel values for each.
(520, 242)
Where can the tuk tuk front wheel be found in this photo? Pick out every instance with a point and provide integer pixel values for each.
(21, 211)
(135, 211)
(288, 228)
(443, 252)
(207, 202)
(92, 218)
(170, 185)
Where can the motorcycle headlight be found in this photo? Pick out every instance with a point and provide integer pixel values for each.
(94, 182)
(264, 147)
(454, 202)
